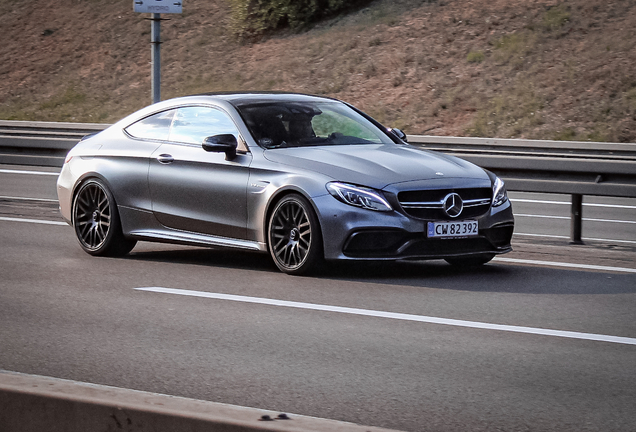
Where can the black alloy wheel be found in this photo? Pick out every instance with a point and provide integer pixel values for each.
(96, 221)
(295, 241)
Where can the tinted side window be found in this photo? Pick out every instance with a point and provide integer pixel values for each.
(193, 124)
(155, 127)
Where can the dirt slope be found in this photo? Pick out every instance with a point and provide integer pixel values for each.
(505, 68)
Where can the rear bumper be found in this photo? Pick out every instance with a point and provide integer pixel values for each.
(65, 183)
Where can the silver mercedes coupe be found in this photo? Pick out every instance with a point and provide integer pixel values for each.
(306, 179)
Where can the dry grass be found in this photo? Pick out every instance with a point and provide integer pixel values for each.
(501, 68)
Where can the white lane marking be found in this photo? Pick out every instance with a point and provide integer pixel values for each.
(542, 235)
(393, 315)
(28, 199)
(566, 237)
(566, 265)
(568, 203)
(567, 217)
(35, 221)
(6, 171)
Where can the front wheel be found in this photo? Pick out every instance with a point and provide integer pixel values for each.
(295, 241)
(470, 261)
(96, 221)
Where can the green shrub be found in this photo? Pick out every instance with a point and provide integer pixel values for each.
(475, 57)
(514, 48)
(252, 18)
(70, 96)
(555, 18)
(630, 98)
(568, 134)
(376, 41)
(510, 113)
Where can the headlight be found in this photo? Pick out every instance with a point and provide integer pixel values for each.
(499, 194)
(359, 196)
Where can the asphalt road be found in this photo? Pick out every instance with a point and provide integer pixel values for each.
(415, 346)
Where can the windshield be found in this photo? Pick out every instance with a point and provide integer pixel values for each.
(297, 124)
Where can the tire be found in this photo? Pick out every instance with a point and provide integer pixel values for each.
(96, 221)
(470, 261)
(294, 237)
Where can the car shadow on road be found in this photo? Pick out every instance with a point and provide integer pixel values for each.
(239, 260)
(492, 277)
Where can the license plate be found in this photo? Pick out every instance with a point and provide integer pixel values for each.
(457, 229)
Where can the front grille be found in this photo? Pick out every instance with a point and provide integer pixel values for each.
(429, 204)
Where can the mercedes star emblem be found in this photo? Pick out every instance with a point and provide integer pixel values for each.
(453, 205)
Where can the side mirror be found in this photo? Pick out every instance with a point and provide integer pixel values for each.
(400, 134)
(224, 143)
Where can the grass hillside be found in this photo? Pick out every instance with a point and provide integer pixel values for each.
(542, 69)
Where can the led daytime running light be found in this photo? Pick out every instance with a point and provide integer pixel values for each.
(499, 194)
(359, 196)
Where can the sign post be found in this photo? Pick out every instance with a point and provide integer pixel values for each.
(156, 8)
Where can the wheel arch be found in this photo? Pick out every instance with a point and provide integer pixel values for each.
(277, 197)
(113, 242)
(81, 181)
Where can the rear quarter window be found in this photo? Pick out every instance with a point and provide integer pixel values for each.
(154, 127)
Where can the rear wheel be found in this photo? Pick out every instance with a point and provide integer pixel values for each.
(295, 241)
(470, 261)
(96, 221)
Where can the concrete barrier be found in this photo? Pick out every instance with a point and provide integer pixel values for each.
(31, 403)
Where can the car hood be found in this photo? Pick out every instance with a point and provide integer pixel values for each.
(376, 165)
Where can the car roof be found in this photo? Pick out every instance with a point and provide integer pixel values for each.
(242, 98)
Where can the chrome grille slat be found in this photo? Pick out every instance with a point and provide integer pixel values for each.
(477, 202)
(440, 204)
(422, 205)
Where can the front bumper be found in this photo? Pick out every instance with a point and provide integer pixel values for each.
(378, 244)
(351, 233)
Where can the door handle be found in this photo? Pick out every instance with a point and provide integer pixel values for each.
(165, 158)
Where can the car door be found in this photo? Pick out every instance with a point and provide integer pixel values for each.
(198, 191)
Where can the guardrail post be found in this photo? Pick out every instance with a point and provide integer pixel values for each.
(576, 222)
(155, 36)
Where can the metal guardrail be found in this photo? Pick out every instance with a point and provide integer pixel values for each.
(564, 167)
(587, 168)
(41, 143)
